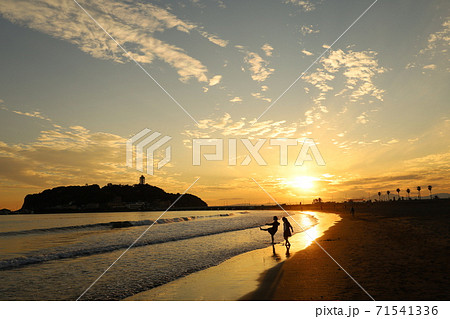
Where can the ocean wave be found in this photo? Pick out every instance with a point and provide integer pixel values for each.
(81, 252)
(109, 225)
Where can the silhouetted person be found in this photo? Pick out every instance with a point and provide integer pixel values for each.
(352, 211)
(287, 232)
(272, 230)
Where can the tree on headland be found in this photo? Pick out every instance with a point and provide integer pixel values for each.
(408, 191)
(398, 192)
(418, 189)
(388, 192)
(379, 196)
(429, 188)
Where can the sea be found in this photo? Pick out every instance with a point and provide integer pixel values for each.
(60, 256)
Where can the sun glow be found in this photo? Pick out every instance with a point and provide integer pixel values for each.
(303, 182)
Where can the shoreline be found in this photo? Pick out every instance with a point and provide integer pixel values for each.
(392, 256)
(239, 275)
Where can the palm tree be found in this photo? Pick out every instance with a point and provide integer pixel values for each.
(388, 192)
(408, 191)
(398, 192)
(379, 196)
(429, 188)
(418, 189)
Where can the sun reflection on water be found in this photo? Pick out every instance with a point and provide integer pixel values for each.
(313, 231)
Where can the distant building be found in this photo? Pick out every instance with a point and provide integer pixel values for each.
(142, 180)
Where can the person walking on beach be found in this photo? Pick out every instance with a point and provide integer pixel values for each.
(287, 231)
(352, 211)
(272, 230)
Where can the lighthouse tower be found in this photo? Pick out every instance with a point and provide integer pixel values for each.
(142, 180)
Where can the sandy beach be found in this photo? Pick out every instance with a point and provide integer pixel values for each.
(393, 255)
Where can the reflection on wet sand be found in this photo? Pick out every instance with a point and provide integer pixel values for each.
(275, 256)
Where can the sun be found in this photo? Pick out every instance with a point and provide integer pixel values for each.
(303, 182)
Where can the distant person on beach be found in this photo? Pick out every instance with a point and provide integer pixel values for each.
(352, 211)
(287, 231)
(272, 230)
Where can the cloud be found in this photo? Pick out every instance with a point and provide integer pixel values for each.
(225, 126)
(258, 67)
(221, 4)
(307, 52)
(259, 96)
(429, 66)
(236, 99)
(214, 39)
(435, 51)
(305, 29)
(34, 114)
(429, 169)
(215, 80)
(264, 88)
(62, 156)
(132, 24)
(305, 5)
(362, 119)
(267, 49)
(320, 79)
(358, 69)
(438, 42)
(393, 141)
(69, 156)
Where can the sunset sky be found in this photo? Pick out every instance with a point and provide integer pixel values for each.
(376, 103)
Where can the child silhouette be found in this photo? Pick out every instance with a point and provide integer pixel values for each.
(272, 230)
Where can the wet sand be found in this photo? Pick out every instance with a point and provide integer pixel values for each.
(392, 255)
(241, 274)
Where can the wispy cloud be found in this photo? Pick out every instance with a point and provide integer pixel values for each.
(259, 96)
(429, 169)
(305, 5)
(429, 67)
(268, 49)
(214, 39)
(236, 99)
(61, 156)
(439, 41)
(358, 68)
(133, 24)
(226, 126)
(435, 53)
(34, 114)
(362, 118)
(346, 74)
(70, 156)
(308, 29)
(258, 67)
(305, 52)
